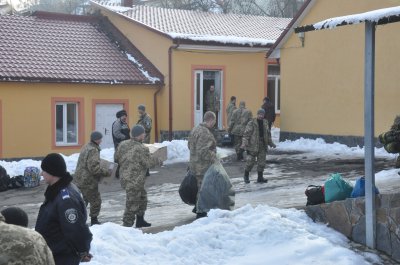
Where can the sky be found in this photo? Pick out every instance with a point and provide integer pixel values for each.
(247, 235)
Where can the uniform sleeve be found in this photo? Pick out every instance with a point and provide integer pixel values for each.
(94, 165)
(46, 256)
(248, 131)
(206, 148)
(73, 225)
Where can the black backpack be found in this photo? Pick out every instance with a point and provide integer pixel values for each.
(315, 195)
(4, 179)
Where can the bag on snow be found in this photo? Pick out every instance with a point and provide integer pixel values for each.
(359, 188)
(315, 195)
(337, 189)
(188, 189)
(216, 190)
(16, 182)
(4, 179)
(31, 177)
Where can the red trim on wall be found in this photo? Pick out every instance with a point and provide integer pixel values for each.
(124, 102)
(224, 87)
(81, 122)
(1, 129)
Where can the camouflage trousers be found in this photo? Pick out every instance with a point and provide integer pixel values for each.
(259, 157)
(237, 142)
(136, 204)
(199, 179)
(91, 195)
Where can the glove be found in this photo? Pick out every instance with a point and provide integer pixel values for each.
(85, 256)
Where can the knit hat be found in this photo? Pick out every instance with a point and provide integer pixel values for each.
(261, 111)
(94, 136)
(121, 113)
(54, 164)
(15, 216)
(142, 107)
(137, 130)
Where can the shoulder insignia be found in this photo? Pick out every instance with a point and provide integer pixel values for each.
(65, 194)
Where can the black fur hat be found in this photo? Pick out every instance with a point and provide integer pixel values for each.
(121, 113)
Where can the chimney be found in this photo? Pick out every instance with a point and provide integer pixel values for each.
(127, 3)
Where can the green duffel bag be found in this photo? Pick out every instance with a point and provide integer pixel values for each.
(337, 189)
(392, 148)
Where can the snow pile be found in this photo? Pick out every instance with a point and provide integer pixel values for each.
(261, 235)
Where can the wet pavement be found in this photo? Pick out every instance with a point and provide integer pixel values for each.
(288, 174)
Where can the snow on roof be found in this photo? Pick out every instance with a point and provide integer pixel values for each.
(373, 16)
(205, 26)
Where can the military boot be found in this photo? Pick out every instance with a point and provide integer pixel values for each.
(147, 173)
(94, 221)
(260, 178)
(246, 177)
(140, 222)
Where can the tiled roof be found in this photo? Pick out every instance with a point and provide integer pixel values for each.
(64, 48)
(233, 28)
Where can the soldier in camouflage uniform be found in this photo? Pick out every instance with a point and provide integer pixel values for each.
(145, 121)
(256, 140)
(239, 120)
(203, 149)
(20, 246)
(88, 173)
(134, 159)
(230, 109)
(212, 102)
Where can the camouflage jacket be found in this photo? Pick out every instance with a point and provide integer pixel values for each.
(203, 149)
(146, 122)
(240, 118)
(134, 159)
(212, 101)
(251, 137)
(89, 170)
(229, 111)
(20, 246)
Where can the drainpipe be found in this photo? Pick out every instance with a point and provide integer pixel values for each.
(170, 89)
(155, 114)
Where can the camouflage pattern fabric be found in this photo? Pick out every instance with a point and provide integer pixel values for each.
(237, 142)
(240, 118)
(146, 122)
(203, 149)
(396, 124)
(229, 111)
(134, 159)
(21, 246)
(255, 145)
(212, 101)
(88, 174)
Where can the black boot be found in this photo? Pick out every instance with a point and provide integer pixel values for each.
(147, 173)
(201, 215)
(140, 222)
(94, 221)
(260, 178)
(246, 177)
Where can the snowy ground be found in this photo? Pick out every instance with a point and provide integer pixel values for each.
(251, 234)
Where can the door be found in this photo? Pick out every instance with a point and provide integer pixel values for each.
(105, 117)
(198, 97)
(203, 81)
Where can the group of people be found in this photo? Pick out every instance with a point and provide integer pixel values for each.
(252, 135)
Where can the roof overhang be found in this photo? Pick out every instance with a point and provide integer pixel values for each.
(194, 47)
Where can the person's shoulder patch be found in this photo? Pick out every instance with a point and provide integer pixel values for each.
(71, 215)
(65, 194)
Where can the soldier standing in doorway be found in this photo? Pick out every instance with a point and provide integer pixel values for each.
(212, 102)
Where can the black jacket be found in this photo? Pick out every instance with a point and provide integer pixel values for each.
(62, 219)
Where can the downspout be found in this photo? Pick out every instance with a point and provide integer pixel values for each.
(170, 89)
(155, 114)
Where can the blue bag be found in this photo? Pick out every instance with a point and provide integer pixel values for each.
(359, 188)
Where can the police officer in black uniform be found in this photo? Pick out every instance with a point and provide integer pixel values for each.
(62, 217)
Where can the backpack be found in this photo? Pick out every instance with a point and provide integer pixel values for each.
(4, 179)
(31, 177)
(188, 189)
(315, 195)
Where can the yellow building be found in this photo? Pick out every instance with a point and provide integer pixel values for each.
(195, 50)
(63, 76)
(322, 74)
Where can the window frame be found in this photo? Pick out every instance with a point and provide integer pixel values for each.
(276, 79)
(79, 104)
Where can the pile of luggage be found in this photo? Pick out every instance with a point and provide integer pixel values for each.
(30, 179)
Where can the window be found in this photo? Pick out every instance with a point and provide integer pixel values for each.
(274, 86)
(66, 122)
